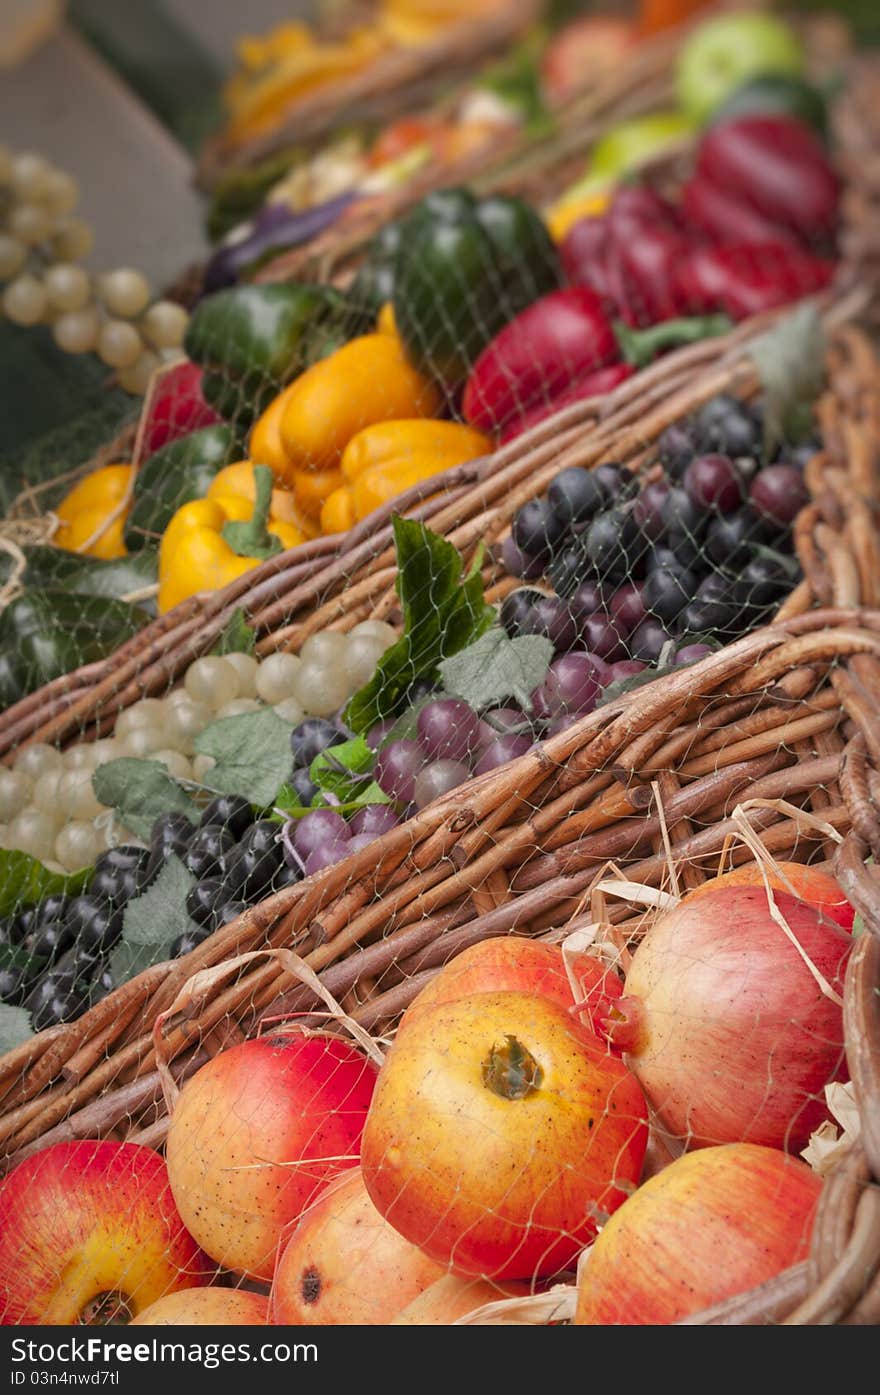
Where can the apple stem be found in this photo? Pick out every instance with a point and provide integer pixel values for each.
(106, 1309)
(624, 1024)
(511, 1071)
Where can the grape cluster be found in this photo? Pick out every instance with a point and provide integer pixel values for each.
(697, 555)
(40, 244)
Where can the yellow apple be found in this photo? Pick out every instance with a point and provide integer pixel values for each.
(206, 1307)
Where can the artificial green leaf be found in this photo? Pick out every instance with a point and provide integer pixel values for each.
(237, 636)
(442, 615)
(15, 1027)
(252, 755)
(152, 921)
(641, 346)
(24, 880)
(251, 537)
(790, 359)
(141, 790)
(496, 667)
(288, 804)
(342, 769)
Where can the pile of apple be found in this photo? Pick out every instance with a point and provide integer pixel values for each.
(308, 1181)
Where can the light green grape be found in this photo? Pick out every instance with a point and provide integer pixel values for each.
(276, 677)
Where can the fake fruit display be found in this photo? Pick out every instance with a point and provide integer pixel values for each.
(732, 1026)
(729, 50)
(255, 1134)
(206, 1307)
(500, 1133)
(709, 1226)
(453, 1297)
(345, 1264)
(512, 964)
(89, 1233)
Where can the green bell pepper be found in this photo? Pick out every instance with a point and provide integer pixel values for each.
(373, 286)
(180, 471)
(251, 341)
(464, 269)
(44, 633)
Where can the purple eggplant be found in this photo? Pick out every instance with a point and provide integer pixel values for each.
(276, 228)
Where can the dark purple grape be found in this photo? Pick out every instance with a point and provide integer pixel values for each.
(731, 537)
(189, 940)
(228, 811)
(612, 544)
(201, 899)
(574, 682)
(14, 983)
(627, 607)
(499, 721)
(48, 940)
(540, 700)
(691, 654)
(101, 932)
(677, 446)
(799, 455)
(171, 833)
(519, 563)
(568, 568)
(379, 732)
(710, 612)
(517, 611)
(536, 528)
(625, 668)
(228, 911)
(325, 854)
(320, 826)
(587, 598)
(261, 837)
(648, 509)
(600, 635)
(125, 856)
(302, 785)
(208, 851)
(726, 424)
(448, 729)
(576, 494)
(117, 884)
(667, 592)
(501, 750)
(418, 689)
(778, 493)
(438, 778)
(682, 517)
(58, 997)
(397, 766)
(763, 582)
(374, 819)
(554, 618)
(678, 550)
(647, 641)
(312, 736)
(287, 875)
(616, 480)
(714, 483)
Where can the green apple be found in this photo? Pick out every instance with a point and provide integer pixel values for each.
(633, 143)
(730, 50)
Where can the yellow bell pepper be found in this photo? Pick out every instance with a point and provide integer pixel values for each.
(568, 211)
(366, 381)
(384, 460)
(265, 445)
(210, 542)
(85, 508)
(239, 479)
(312, 487)
(385, 321)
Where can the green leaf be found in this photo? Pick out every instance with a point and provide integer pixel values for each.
(252, 755)
(342, 769)
(496, 667)
(152, 922)
(252, 537)
(15, 1027)
(24, 880)
(289, 806)
(141, 790)
(237, 636)
(790, 359)
(442, 615)
(641, 346)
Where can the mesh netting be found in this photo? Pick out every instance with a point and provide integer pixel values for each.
(438, 797)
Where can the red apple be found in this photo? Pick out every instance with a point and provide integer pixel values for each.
(501, 1132)
(344, 1264)
(89, 1233)
(514, 964)
(585, 49)
(255, 1135)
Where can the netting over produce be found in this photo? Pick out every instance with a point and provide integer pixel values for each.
(439, 773)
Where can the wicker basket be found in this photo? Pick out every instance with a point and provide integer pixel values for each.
(786, 716)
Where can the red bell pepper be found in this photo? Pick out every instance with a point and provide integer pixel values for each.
(722, 218)
(777, 166)
(176, 408)
(559, 338)
(594, 385)
(743, 280)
